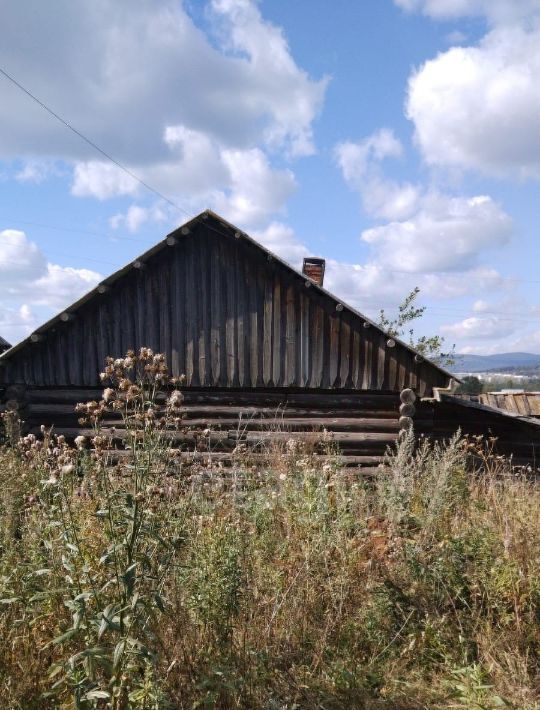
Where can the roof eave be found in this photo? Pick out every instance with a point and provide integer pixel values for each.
(182, 231)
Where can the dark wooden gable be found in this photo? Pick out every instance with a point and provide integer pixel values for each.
(227, 314)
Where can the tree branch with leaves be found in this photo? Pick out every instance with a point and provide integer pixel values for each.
(431, 347)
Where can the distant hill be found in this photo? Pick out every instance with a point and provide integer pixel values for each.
(498, 363)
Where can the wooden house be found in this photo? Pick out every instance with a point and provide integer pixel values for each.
(4, 345)
(254, 338)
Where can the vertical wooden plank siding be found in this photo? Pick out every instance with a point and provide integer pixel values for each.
(345, 377)
(225, 316)
(230, 320)
(242, 322)
(290, 338)
(253, 321)
(202, 288)
(276, 333)
(335, 325)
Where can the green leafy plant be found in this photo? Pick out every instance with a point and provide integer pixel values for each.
(408, 312)
(112, 546)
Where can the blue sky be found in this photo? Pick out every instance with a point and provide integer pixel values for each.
(397, 138)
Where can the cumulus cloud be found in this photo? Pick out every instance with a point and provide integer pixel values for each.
(502, 325)
(360, 165)
(255, 191)
(429, 230)
(475, 107)
(120, 71)
(444, 234)
(278, 85)
(96, 178)
(136, 216)
(476, 327)
(280, 239)
(496, 11)
(26, 275)
(16, 323)
(36, 171)
(240, 184)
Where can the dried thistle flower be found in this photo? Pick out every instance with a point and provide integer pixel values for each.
(80, 442)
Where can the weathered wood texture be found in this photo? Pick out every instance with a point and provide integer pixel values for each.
(514, 436)
(225, 315)
(358, 425)
(525, 403)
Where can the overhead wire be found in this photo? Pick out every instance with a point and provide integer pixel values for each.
(91, 142)
(173, 204)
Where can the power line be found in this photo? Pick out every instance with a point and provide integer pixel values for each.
(89, 232)
(91, 142)
(16, 262)
(149, 187)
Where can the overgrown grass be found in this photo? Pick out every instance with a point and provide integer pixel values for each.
(282, 585)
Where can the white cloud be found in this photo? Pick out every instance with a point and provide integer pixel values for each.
(25, 275)
(477, 107)
(360, 166)
(462, 283)
(278, 85)
(61, 285)
(456, 37)
(255, 190)
(16, 323)
(497, 11)
(502, 325)
(241, 185)
(280, 239)
(444, 234)
(528, 342)
(120, 71)
(136, 216)
(20, 260)
(96, 178)
(475, 327)
(36, 171)
(429, 230)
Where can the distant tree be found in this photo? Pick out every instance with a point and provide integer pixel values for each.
(470, 385)
(431, 347)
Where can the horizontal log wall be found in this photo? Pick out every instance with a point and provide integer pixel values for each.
(225, 315)
(514, 437)
(358, 425)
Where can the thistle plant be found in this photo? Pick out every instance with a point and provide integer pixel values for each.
(116, 565)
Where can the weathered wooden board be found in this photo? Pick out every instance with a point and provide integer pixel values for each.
(225, 315)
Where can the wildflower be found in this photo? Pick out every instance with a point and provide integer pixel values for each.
(80, 442)
(291, 446)
(176, 399)
(282, 476)
(67, 469)
(108, 394)
(132, 392)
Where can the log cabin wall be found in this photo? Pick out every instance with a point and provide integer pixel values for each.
(358, 425)
(515, 436)
(227, 315)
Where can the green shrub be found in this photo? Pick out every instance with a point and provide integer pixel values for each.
(127, 584)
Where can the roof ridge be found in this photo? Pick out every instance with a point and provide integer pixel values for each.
(184, 230)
